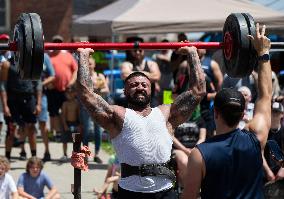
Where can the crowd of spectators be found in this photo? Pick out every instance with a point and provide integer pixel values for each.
(25, 102)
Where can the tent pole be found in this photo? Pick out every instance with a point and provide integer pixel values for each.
(112, 65)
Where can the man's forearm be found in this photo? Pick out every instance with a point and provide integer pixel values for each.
(38, 97)
(186, 102)
(84, 74)
(264, 79)
(196, 74)
(94, 103)
(4, 98)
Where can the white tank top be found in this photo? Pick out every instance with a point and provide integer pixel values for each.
(144, 140)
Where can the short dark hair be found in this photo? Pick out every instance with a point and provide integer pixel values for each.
(231, 105)
(135, 74)
(134, 39)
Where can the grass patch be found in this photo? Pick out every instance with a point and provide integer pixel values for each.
(108, 148)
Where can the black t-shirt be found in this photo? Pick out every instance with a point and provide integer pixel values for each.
(16, 86)
(278, 136)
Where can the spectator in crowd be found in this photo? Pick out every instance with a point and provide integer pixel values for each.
(70, 119)
(187, 136)
(21, 103)
(248, 81)
(142, 135)
(4, 57)
(8, 187)
(163, 59)
(181, 79)
(229, 165)
(48, 76)
(249, 107)
(135, 61)
(206, 107)
(275, 86)
(112, 177)
(178, 62)
(65, 67)
(211, 69)
(31, 183)
(272, 170)
(101, 88)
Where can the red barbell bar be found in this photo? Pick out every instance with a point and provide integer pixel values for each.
(120, 46)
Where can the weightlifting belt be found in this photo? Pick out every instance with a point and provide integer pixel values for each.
(147, 170)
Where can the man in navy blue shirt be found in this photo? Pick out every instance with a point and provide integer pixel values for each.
(229, 165)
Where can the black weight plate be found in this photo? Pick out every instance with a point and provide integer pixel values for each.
(252, 31)
(26, 69)
(238, 64)
(18, 37)
(38, 46)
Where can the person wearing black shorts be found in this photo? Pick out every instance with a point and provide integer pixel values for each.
(21, 104)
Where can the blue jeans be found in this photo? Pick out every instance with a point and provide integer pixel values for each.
(86, 122)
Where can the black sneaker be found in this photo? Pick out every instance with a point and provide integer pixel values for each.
(98, 160)
(46, 157)
(23, 155)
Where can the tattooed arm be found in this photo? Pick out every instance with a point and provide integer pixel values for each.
(186, 102)
(108, 116)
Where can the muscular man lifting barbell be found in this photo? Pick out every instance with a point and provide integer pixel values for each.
(229, 165)
(141, 135)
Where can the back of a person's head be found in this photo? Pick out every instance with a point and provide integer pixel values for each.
(230, 103)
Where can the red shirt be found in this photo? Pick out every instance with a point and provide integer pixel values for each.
(64, 66)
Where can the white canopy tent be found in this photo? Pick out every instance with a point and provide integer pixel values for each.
(170, 16)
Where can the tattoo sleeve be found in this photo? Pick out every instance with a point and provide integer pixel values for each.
(196, 74)
(94, 103)
(186, 102)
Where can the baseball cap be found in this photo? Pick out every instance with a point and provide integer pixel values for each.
(277, 107)
(229, 97)
(4, 37)
(57, 38)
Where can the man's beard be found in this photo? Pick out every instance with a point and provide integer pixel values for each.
(139, 102)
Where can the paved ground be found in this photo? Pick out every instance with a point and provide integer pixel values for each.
(62, 173)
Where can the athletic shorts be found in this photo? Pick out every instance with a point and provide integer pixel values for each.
(22, 109)
(55, 100)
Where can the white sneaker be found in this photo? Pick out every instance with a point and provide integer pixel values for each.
(63, 158)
